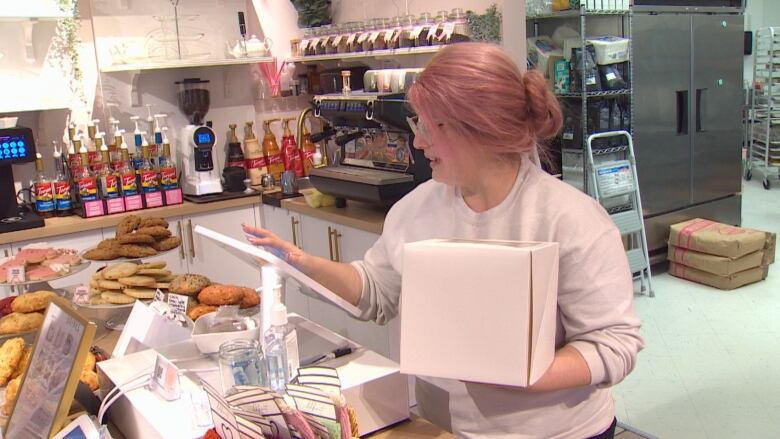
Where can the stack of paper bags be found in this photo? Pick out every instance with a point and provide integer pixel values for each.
(719, 255)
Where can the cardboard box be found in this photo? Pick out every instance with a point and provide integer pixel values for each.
(729, 282)
(482, 311)
(715, 238)
(543, 53)
(720, 265)
(769, 248)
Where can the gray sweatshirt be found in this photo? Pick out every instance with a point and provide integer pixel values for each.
(595, 303)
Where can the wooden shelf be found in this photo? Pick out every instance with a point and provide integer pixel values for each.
(370, 54)
(13, 109)
(576, 13)
(188, 63)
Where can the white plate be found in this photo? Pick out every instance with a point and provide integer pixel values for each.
(73, 270)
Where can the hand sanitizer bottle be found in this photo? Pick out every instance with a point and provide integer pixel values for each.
(281, 349)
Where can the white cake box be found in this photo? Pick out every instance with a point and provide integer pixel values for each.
(481, 311)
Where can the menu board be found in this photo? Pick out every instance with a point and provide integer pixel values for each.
(47, 390)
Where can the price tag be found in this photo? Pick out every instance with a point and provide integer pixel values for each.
(16, 274)
(159, 296)
(165, 379)
(178, 303)
(81, 295)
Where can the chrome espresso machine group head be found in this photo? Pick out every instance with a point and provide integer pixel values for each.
(377, 162)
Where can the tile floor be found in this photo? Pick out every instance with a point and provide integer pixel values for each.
(711, 365)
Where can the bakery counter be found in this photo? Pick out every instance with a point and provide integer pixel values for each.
(358, 215)
(60, 226)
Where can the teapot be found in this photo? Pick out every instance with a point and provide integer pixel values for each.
(252, 47)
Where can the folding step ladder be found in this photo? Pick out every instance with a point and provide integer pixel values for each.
(613, 183)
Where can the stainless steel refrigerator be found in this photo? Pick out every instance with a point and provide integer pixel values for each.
(687, 73)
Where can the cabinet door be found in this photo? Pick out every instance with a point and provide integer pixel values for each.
(206, 257)
(5, 251)
(77, 241)
(343, 244)
(287, 226)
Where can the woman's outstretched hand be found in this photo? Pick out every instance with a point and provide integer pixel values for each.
(279, 247)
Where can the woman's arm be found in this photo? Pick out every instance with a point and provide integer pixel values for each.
(343, 279)
(567, 370)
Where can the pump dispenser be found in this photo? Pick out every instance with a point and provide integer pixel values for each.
(126, 173)
(281, 345)
(235, 155)
(169, 178)
(43, 190)
(272, 152)
(290, 153)
(109, 183)
(255, 156)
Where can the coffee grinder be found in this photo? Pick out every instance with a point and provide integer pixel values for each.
(196, 141)
(17, 145)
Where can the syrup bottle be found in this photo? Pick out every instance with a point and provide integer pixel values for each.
(235, 155)
(109, 183)
(63, 204)
(290, 153)
(308, 150)
(169, 178)
(255, 159)
(148, 172)
(43, 190)
(86, 180)
(272, 152)
(126, 174)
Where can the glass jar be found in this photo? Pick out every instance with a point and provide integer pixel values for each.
(241, 363)
(420, 33)
(380, 43)
(341, 40)
(394, 28)
(437, 34)
(307, 47)
(460, 23)
(370, 30)
(357, 44)
(324, 34)
(407, 26)
(334, 39)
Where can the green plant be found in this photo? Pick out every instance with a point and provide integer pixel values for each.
(485, 27)
(312, 13)
(65, 45)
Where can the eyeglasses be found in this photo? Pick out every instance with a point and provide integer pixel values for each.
(419, 129)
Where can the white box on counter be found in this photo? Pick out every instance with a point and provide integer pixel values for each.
(371, 384)
(482, 311)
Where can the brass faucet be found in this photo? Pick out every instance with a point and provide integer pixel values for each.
(301, 121)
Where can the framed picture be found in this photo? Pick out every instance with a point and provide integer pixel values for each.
(58, 355)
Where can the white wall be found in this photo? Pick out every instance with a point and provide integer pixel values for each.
(758, 14)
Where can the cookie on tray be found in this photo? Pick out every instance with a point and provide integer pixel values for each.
(22, 367)
(102, 254)
(153, 264)
(166, 244)
(31, 302)
(249, 298)
(154, 272)
(219, 295)
(110, 285)
(138, 281)
(128, 224)
(11, 353)
(136, 251)
(189, 284)
(20, 322)
(140, 293)
(153, 222)
(10, 395)
(122, 269)
(200, 310)
(117, 298)
(135, 238)
(108, 243)
(158, 232)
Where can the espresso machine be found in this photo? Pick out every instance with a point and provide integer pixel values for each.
(17, 146)
(375, 161)
(196, 140)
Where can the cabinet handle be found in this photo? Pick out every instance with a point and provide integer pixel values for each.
(192, 239)
(333, 244)
(6, 252)
(330, 242)
(336, 236)
(294, 222)
(181, 238)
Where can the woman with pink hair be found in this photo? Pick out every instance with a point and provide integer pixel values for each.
(480, 122)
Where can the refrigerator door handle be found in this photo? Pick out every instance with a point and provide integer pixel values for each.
(682, 112)
(699, 95)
